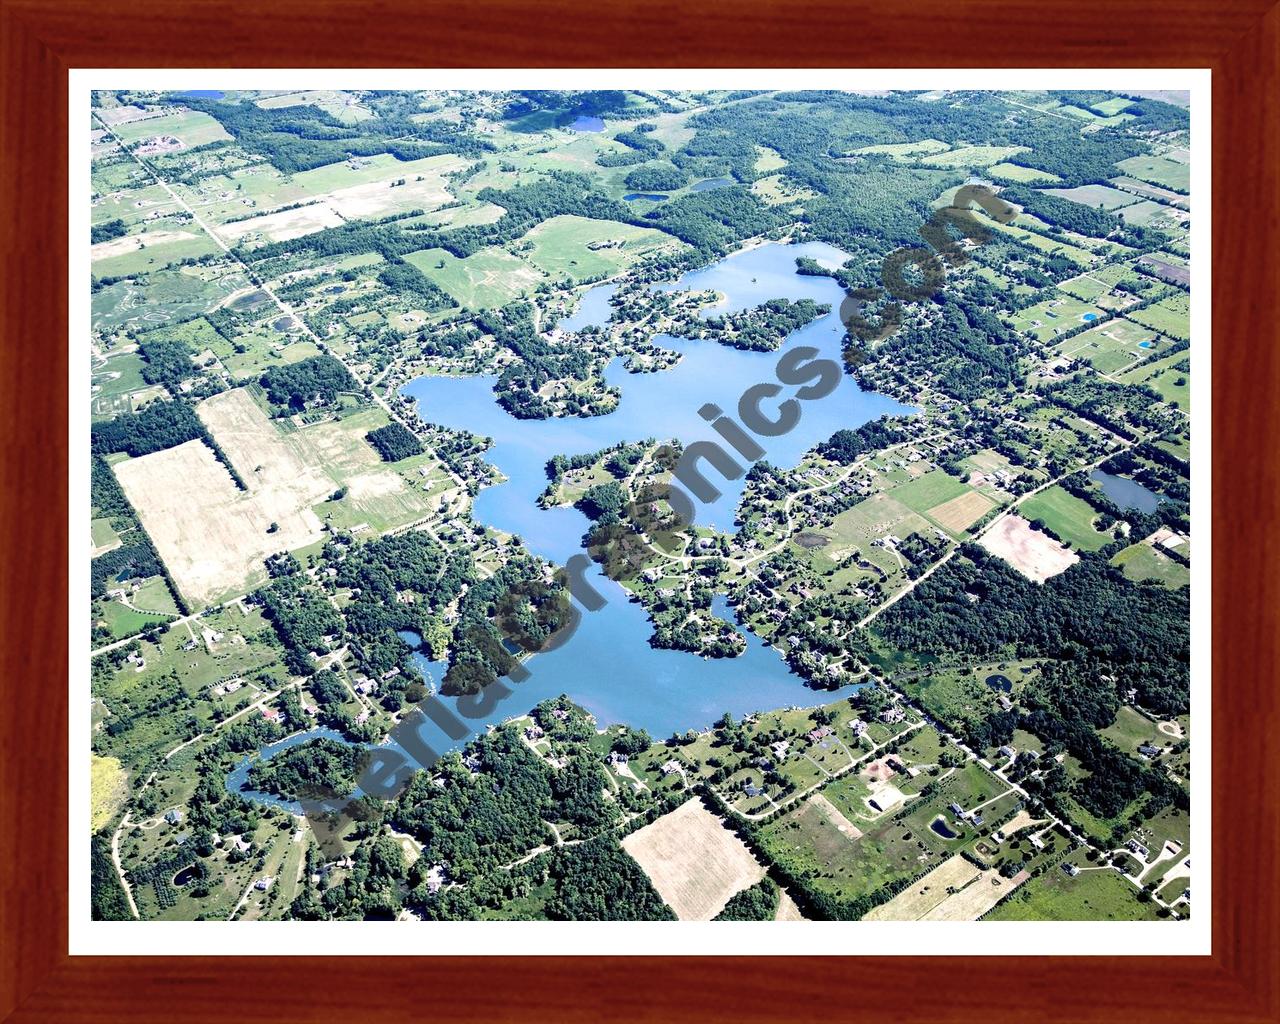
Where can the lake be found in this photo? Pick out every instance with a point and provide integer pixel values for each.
(653, 197)
(582, 123)
(607, 666)
(1125, 492)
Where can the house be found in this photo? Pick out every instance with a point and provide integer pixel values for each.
(1138, 848)
(616, 759)
(263, 883)
(1070, 869)
(534, 732)
(672, 767)
(1147, 750)
(780, 749)
(1007, 751)
(956, 809)
(892, 715)
(174, 817)
(437, 878)
(272, 714)
(820, 733)
(858, 726)
(1036, 841)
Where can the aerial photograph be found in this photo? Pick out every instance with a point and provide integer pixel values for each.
(638, 505)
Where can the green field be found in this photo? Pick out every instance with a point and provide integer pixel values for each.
(1094, 196)
(1046, 320)
(1071, 518)
(1113, 347)
(1159, 170)
(192, 127)
(1100, 895)
(492, 277)
(1170, 316)
(932, 489)
(1143, 562)
(906, 149)
(1023, 175)
(561, 246)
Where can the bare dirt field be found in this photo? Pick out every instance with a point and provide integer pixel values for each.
(1019, 821)
(833, 814)
(956, 890)
(284, 225)
(961, 512)
(693, 860)
(211, 535)
(1036, 555)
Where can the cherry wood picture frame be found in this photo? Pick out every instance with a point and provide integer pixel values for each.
(41, 39)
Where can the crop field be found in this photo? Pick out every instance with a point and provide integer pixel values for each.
(562, 246)
(1159, 171)
(1094, 196)
(279, 227)
(345, 107)
(961, 512)
(1144, 562)
(870, 519)
(213, 544)
(1071, 518)
(693, 860)
(1076, 254)
(1093, 895)
(1034, 554)
(491, 277)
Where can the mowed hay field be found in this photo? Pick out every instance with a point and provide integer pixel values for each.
(956, 890)
(693, 860)
(490, 277)
(1034, 554)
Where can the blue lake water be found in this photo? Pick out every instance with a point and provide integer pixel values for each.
(582, 123)
(1125, 492)
(204, 94)
(653, 197)
(607, 665)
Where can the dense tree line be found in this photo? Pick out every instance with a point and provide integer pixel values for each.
(598, 881)
(407, 280)
(760, 329)
(657, 178)
(394, 442)
(107, 230)
(845, 446)
(318, 378)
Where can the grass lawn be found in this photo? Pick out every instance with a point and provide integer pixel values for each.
(122, 621)
(1023, 175)
(1071, 518)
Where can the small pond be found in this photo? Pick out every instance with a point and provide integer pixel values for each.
(582, 123)
(1128, 494)
(940, 826)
